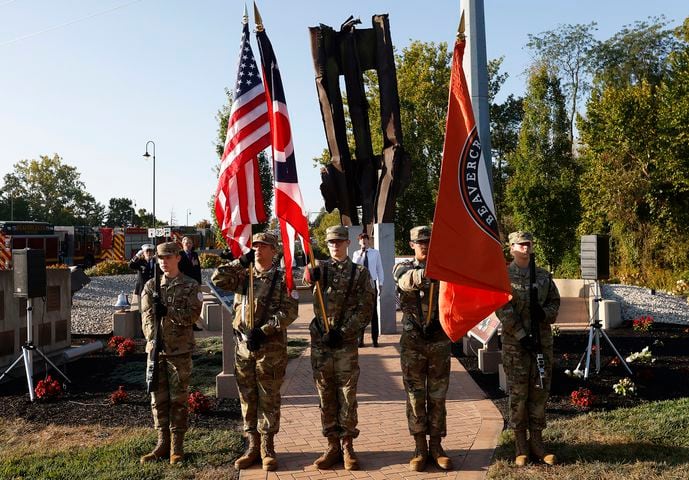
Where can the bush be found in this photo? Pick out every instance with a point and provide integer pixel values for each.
(58, 266)
(48, 389)
(126, 347)
(199, 403)
(118, 396)
(210, 260)
(108, 267)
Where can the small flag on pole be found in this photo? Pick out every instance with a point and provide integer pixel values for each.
(473, 281)
(289, 205)
(238, 200)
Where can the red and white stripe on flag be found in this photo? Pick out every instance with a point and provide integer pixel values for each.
(238, 199)
(289, 205)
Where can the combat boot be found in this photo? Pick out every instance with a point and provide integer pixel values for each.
(436, 452)
(270, 461)
(177, 454)
(332, 454)
(521, 448)
(418, 461)
(538, 449)
(162, 448)
(252, 454)
(350, 460)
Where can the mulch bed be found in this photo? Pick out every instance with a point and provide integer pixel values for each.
(86, 400)
(664, 379)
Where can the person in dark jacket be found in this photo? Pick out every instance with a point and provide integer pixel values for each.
(189, 263)
(143, 262)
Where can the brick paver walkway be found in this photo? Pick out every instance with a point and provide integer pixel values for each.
(384, 445)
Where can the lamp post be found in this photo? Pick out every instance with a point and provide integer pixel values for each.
(188, 212)
(147, 155)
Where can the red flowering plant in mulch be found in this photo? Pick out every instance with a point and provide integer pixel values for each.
(126, 347)
(48, 389)
(583, 398)
(199, 403)
(115, 341)
(642, 324)
(118, 396)
(123, 346)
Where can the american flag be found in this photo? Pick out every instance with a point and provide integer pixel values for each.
(289, 205)
(238, 198)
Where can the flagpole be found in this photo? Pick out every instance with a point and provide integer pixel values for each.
(319, 293)
(431, 293)
(251, 291)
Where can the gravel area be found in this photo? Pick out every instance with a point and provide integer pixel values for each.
(638, 301)
(92, 305)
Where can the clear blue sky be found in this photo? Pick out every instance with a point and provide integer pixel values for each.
(101, 78)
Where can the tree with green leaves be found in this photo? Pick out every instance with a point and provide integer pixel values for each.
(569, 52)
(638, 52)
(53, 192)
(505, 120)
(636, 150)
(542, 192)
(121, 212)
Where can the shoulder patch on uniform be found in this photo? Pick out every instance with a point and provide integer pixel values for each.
(295, 294)
(199, 295)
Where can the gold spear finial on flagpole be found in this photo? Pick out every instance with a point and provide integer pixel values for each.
(257, 19)
(460, 29)
(245, 18)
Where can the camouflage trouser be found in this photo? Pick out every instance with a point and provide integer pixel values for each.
(426, 375)
(259, 378)
(527, 400)
(336, 373)
(169, 400)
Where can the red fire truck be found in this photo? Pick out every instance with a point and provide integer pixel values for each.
(17, 235)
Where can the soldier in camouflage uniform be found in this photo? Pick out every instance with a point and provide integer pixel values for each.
(425, 355)
(178, 307)
(261, 351)
(348, 296)
(527, 399)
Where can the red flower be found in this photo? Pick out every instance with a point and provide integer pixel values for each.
(115, 341)
(199, 403)
(642, 324)
(118, 396)
(48, 388)
(583, 398)
(126, 347)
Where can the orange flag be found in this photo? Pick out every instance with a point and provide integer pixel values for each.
(465, 253)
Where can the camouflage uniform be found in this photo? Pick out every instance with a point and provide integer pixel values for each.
(260, 373)
(336, 370)
(527, 402)
(425, 358)
(183, 301)
(424, 355)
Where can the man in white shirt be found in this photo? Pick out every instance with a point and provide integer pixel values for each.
(370, 258)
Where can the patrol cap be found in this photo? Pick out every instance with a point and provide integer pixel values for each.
(147, 246)
(265, 237)
(420, 233)
(336, 232)
(167, 249)
(520, 237)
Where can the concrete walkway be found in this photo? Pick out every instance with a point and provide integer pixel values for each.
(384, 445)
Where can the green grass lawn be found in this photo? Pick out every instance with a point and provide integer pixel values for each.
(646, 442)
(94, 452)
(208, 455)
